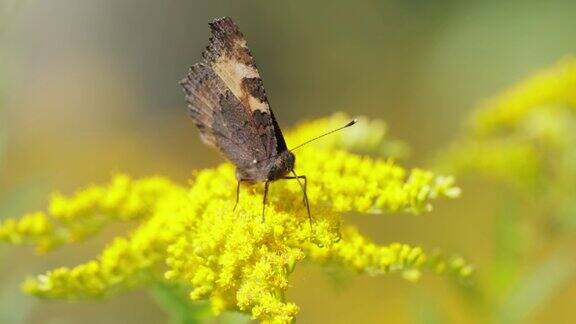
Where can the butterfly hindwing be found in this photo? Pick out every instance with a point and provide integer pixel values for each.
(227, 101)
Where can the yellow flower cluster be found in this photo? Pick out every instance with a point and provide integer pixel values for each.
(515, 163)
(551, 88)
(368, 136)
(526, 135)
(357, 252)
(72, 219)
(193, 237)
(34, 228)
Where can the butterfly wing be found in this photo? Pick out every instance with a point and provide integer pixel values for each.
(227, 101)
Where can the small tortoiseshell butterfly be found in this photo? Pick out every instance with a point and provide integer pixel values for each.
(227, 101)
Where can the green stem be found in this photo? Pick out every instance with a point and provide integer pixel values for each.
(175, 302)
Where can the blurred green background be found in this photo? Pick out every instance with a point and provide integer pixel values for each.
(90, 87)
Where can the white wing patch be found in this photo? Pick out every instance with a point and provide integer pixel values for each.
(232, 72)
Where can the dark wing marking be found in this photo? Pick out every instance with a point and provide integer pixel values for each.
(227, 101)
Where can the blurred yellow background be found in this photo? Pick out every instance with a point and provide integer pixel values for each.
(88, 88)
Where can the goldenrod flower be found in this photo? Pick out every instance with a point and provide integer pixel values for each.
(368, 136)
(525, 136)
(193, 237)
(551, 88)
(73, 219)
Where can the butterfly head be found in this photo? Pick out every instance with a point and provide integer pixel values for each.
(282, 164)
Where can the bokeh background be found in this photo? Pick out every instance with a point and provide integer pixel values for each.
(88, 88)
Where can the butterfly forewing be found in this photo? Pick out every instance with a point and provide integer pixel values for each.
(227, 101)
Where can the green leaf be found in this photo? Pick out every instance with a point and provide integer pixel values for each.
(534, 291)
(507, 244)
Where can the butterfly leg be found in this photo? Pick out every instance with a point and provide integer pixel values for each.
(304, 191)
(266, 184)
(238, 192)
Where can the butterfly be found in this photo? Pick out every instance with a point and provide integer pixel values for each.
(227, 102)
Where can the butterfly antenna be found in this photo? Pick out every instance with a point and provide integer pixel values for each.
(352, 122)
